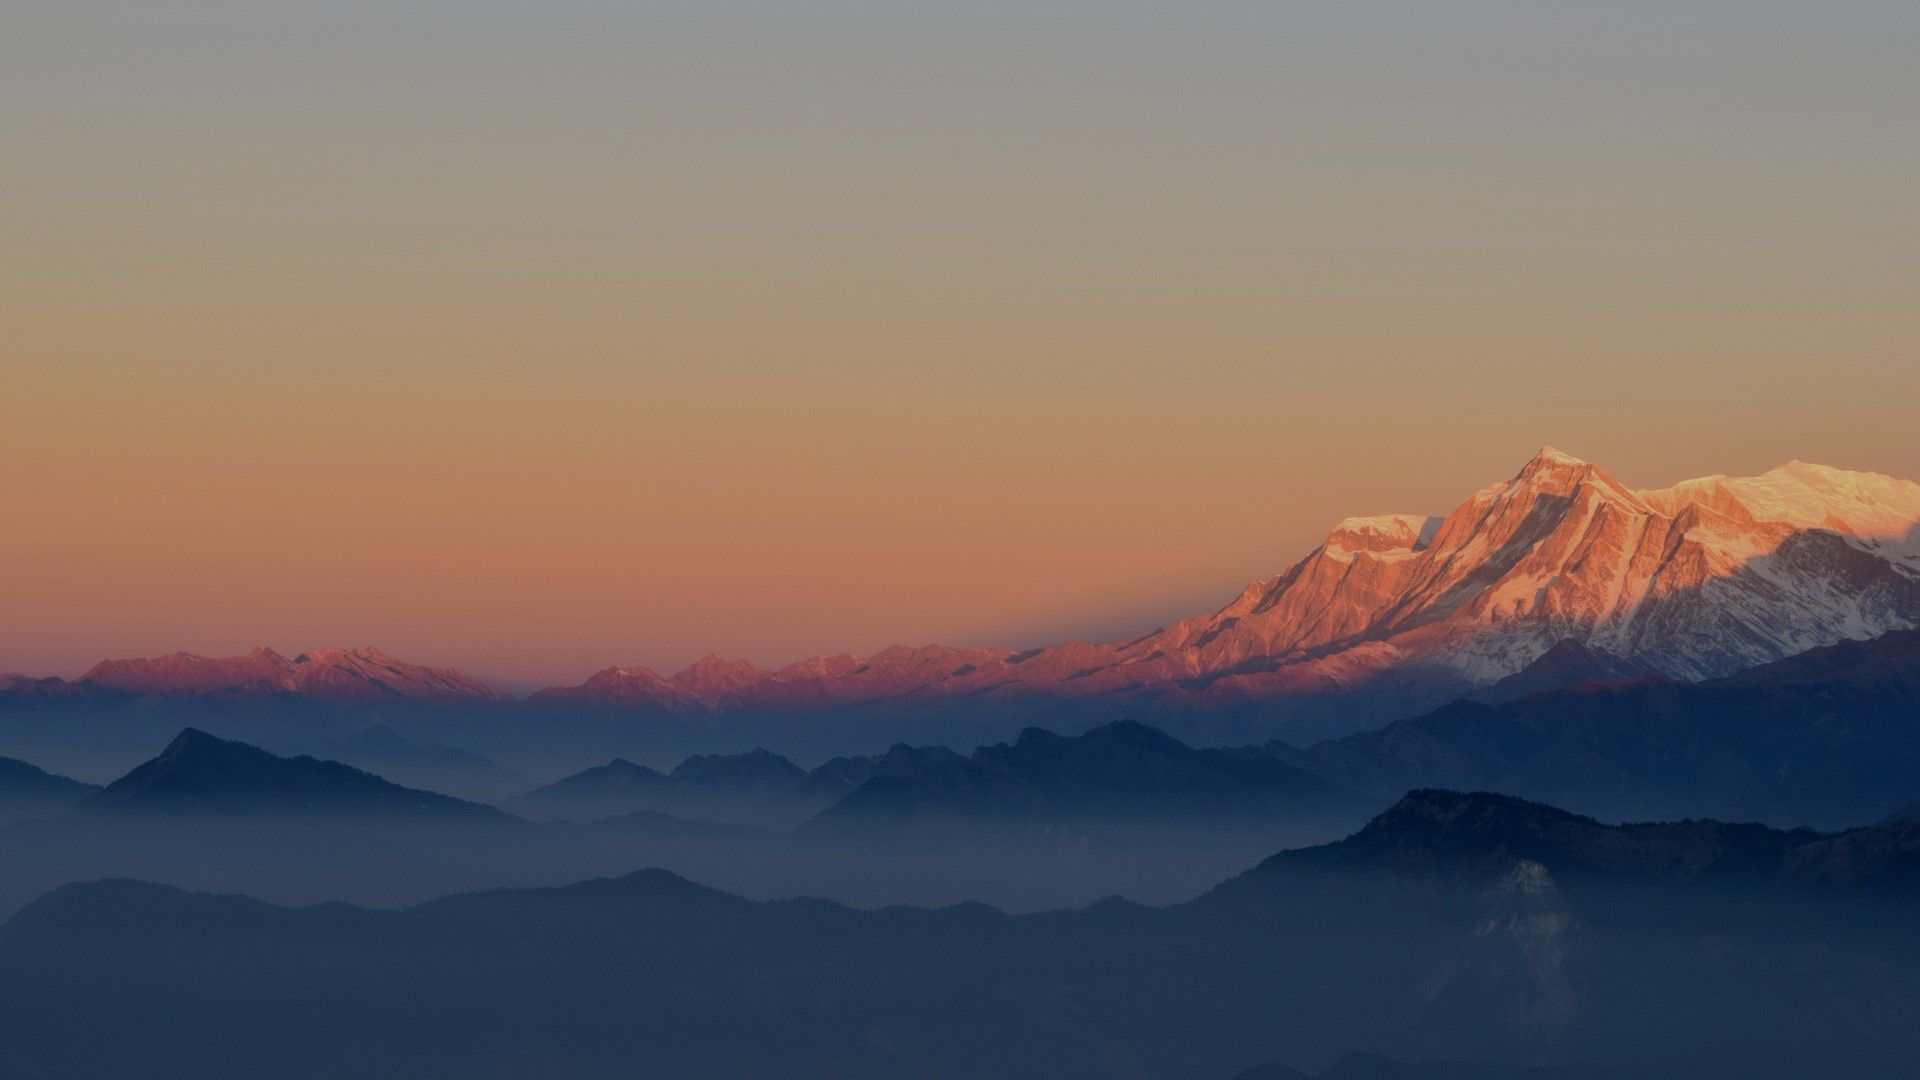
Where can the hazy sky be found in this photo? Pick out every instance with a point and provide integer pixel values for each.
(536, 337)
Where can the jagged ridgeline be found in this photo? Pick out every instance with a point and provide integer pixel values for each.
(1555, 574)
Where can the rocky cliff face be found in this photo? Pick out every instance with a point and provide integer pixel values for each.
(1697, 580)
(1692, 581)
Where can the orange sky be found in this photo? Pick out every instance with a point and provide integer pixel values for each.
(532, 346)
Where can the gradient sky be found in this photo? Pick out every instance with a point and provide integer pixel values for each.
(536, 337)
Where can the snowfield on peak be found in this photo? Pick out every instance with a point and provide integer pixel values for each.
(1391, 614)
(1695, 580)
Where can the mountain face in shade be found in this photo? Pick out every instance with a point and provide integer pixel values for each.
(1694, 581)
(203, 775)
(28, 791)
(1470, 927)
(357, 676)
(1827, 738)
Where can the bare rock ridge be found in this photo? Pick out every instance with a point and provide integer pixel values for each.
(1694, 581)
(1698, 580)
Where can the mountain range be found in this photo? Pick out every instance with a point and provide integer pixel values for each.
(1467, 926)
(1119, 775)
(1555, 574)
(199, 774)
(1826, 738)
(1123, 774)
(27, 791)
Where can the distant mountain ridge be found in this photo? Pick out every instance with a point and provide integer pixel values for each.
(1390, 614)
(201, 774)
(365, 676)
(1121, 773)
(759, 788)
(28, 791)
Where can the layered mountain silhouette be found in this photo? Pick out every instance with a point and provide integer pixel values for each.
(1120, 773)
(1469, 927)
(381, 750)
(1558, 573)
(1482, 837)
(28, 791)
(1568, 663)
(1824, 738)
(758, 787)
(1123, 772)
(199, 774)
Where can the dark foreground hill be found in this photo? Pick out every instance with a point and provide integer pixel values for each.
(1828, 738)
(1472, 928)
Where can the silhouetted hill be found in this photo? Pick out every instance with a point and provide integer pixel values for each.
(1568, 663)
(200, 774)
(1907, 813)
(760, 788)
(29, 791)
(756, 770)
(379, 749)
(1468, 928)
(618, 787)
(1432, 832)
(842, 774)
(1829, 738)
(1120, 772)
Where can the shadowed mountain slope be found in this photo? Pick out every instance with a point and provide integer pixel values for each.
(1830, 738)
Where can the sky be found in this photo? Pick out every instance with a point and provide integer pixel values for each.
(531, 338)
